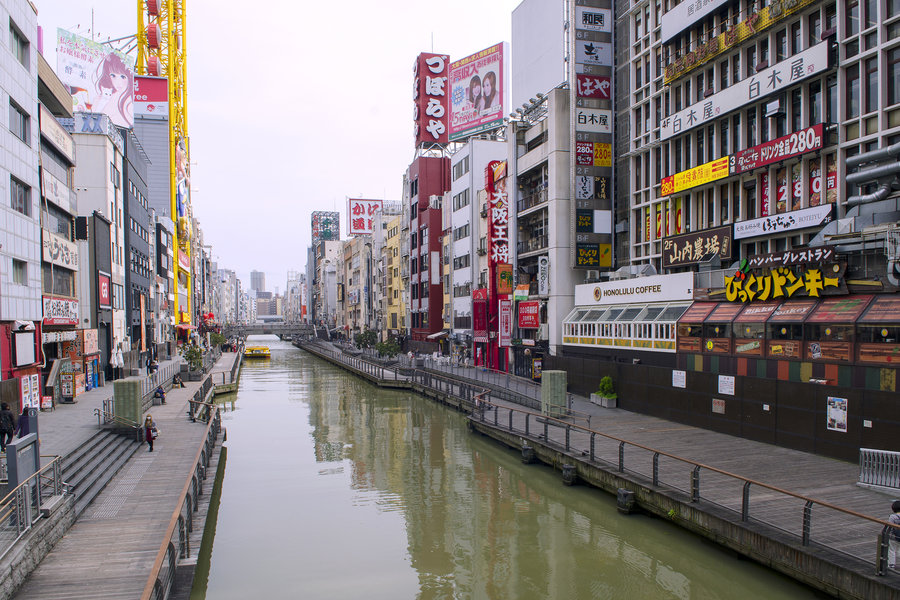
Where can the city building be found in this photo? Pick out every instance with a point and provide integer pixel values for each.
(258, 281)
(138, 233)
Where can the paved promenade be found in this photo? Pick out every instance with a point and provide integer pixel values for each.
(110, 551)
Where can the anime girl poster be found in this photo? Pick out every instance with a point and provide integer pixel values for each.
(100, 79)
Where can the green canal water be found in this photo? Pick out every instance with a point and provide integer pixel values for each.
(336, 489)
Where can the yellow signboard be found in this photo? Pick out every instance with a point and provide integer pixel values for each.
(602, 155)
(703, 174)
(733, 37)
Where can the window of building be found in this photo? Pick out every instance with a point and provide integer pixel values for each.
(459, 169)
(814, 28)
(871, 66)
(18, 44)
(461, 199)
(796, 110)
(893, 75)
(19, 122)
(852, 91)
(796, 38)
(751, 127)
(56, 220)
(57, 281)
(751, 61)
(852, 18)
(815, 102)
(20, 196)
(780, 45)
(19, 272)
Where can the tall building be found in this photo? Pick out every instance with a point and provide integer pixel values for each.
(138, 232)
(258, 281)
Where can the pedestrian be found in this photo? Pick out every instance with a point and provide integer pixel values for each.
(894, 545)
(7, 425)
(150, 431)
(149, 366)
(161, 394)
(23, 427)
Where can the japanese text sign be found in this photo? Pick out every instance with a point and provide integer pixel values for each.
(529, 315)
(326, 225)
(505, 322)
(689, 248)
(752, 25)
(806, 256)
(593, 53)
(768, 81)
(593, 120)
(798, 219)
(361, 214)
(789, 146)
(476, 92)
(593, 19)
(699, 175)
(104, 293)
(778, 283)
(151, 95)
(431, 96)
(593, 86)
(498, 213)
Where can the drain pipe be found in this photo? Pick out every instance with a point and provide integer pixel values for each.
(873, 173)
(880, 194)
(874, 155)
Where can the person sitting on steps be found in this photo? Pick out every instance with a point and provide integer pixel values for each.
(161, 394)
(177, 381)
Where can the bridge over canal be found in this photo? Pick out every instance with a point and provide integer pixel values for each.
(281, 329)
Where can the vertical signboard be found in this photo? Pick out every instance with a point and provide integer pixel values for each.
(505, 322)
(151, 96)
(431, 98)
(591, 126)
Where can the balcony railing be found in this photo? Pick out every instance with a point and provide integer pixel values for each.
(530, 200)
(538, 242)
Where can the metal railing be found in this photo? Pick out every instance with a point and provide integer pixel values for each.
(20, 509)
(105, 418)
(163, 376)
(176, 546)
(879, 468)
(810, 521)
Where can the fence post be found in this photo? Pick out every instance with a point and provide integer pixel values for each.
(807, 521)
(621, 457)
(695, 484)
(593, 435)
(655, 469)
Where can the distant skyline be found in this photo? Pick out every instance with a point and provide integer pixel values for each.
(285, 117)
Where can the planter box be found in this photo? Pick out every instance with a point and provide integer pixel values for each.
(603, 401)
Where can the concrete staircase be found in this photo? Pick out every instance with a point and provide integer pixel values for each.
(92, 465)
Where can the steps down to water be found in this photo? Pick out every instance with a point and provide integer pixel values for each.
(92, 465)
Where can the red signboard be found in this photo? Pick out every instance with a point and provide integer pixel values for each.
(431, 96)
(593, 86)
(529, 315)
(505, 322)
(479, 321)
(498, 213)
(104, 291)
(789, 146)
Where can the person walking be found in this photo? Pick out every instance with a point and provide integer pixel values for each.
(7, 425)
(150, 431)
(894, 546)
(23, 426)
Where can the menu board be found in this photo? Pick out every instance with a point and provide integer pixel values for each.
(845, 309)
(697, 312)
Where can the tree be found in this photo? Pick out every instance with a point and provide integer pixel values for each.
(389, 348)
(216, 339)
(366, 339)
(193, 355)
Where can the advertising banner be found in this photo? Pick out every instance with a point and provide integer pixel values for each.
(799, 219)
(752, 25)
(831, 180)
(776, 78)
(100, 79)
(326, 225)
(593, 19)
(837, 414)
(593, 53)
(815, 182)
(765, 208)
(504, 278)
(529, 315)
(59, 251)
(476, 92)
(781, 191)
(699, 175)
(498, 213)
(589, 255)
(431, 106)
(60, 311)
(479, 321)
(151, 95)
(104, 291)
(683, 15)
(361, 215)
(593, 86)
(789, 146)
(691, 247)
(91, 341)
(55, 190)
(543, 275)
(808, 256)
(505, 322)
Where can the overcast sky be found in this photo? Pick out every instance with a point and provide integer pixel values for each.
(294, 107)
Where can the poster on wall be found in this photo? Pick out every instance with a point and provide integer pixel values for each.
(836, 414)
(100, 79)
(726, 385)
(679, 379)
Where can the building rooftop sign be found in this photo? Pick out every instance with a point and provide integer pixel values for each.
(686, 14)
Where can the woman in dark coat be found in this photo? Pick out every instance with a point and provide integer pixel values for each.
(7, 425)
(150, 431)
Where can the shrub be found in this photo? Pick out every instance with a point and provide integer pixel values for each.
(606, 389)
(389, 348)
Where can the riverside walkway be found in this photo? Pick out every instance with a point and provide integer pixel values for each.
(114, 546)
(799, 513)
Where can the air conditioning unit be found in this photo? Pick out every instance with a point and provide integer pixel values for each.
(484, 210)
(591, 276)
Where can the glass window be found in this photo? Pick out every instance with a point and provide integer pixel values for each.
(852, 18)
(19, 122)
(19, 272)
(852, 91)
(893, 75)
(18, 44)
(20, 196)
(815, 102)
(871, 85)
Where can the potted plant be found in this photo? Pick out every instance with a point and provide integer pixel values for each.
(605, 395)
(193, 355)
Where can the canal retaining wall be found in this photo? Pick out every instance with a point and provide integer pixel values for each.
(818, 566)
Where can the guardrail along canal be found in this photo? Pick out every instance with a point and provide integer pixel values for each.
(335, 488)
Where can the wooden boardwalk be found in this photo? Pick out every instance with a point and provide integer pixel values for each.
(110, 550)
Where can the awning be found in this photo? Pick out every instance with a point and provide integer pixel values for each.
(792, 311)
(697, 313)
(842, 309)
(185, 326)
(725, 312)
(757, 313)
(884, 309)
(438, 334)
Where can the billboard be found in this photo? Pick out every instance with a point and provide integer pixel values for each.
(431, 108)
(326, 225)
(361, 214)
(151, 95)
(100, 79)
(476, 92)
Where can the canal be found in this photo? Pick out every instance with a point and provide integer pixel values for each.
(334, 488)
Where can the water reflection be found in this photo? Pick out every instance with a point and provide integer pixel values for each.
(337, 489)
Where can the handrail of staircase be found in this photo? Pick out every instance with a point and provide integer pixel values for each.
(105, 417)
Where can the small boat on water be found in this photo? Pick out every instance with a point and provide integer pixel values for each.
(257, 352)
